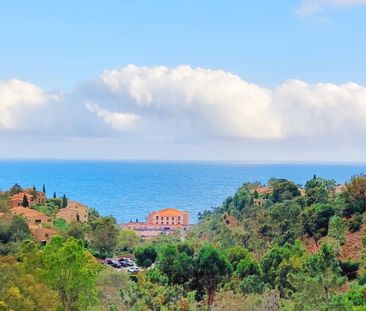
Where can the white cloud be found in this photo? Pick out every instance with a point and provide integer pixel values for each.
(321, 110)
(160, 106)
(212, 101)
(308, 7)
(219, 104)
(17, 99)
(118, 120)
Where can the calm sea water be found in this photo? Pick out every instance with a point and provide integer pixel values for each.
(130, 190)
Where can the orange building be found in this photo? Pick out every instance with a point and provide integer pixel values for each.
(264, 190)
(74, 211)
(168, 217)
(41, 234)
(17, 199)
(32, 216)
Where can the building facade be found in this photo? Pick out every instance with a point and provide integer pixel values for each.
(168, 217)
(74, 211)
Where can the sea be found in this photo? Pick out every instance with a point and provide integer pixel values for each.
(129, 190)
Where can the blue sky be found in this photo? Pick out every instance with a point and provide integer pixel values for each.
(62, 48)
(57, 43)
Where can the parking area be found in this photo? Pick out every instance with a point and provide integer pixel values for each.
(127, 264)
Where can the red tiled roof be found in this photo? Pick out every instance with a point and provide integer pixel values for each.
(26, 211)
(168, 212)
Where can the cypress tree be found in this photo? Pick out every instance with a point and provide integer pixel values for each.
(64, 201)
(44, 189)
(25, 201)
(54, 195)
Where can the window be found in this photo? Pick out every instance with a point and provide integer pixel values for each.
(157, 217)
(46, 235)
(162, 223)
(157, 222)
(178, 222)
(178, 217)
(173, 223)
(167, 223)
(38, 221)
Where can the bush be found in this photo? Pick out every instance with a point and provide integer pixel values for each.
(355, 223)
(251, 284)
(349, 269)
(145, 255)
(147, 263)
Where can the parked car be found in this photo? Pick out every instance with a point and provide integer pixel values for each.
(114, 263)
(126, 262)
(133, 270)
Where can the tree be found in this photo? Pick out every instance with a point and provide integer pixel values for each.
(279, 262)
(44, 188)
(317, 190)
(235, 255)
(337, 227)
(284, 189)
(128, 240)
(64, 201)
(247, 267)
(145, 255)
(212, 267)
(318, 282)
(20, 290)
(25, 202)
(76, 230)
(105, 235)
(71, 271)
(19, 229)
(355, 196)
(54, 195)
(286, 221)
(176, 263)
(316, 220)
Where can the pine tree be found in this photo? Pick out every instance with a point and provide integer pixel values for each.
(54, 195)
(44, 189)
(25, 201)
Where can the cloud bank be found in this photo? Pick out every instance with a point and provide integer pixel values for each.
(164, 105)
(20, 100)
(308, 7)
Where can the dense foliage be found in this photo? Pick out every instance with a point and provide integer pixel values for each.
(279, 247)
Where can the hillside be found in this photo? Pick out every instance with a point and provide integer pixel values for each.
(273, 247)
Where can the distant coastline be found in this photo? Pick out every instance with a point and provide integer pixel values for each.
(131, 189)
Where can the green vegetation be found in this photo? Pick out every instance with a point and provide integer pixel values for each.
(298, 250)
(50, 208)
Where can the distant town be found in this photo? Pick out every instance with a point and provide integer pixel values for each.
(44, 216)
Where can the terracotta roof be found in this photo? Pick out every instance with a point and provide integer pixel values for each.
(26, 211)
(19, 196)
(264, 190)
(70, 202)
(169, 212)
